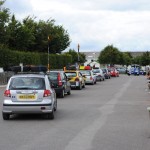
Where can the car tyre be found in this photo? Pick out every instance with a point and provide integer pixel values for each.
(55, 107)
(80, 86)
(83, 85)
(69, 92)
(92, 83)
(62, 94)
(50, 115)
(6, 116)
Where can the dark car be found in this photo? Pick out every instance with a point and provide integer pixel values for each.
(106, 73)
(60, 83)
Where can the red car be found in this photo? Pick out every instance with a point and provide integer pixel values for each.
(114, 72)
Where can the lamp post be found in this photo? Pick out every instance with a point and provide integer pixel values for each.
(48, 66)
(78, 53)
(78, 57)
(94, 57)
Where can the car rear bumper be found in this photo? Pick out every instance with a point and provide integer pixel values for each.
(58, 90)
(89, 81)
(20, 109)
(74, 84)
(11, 107)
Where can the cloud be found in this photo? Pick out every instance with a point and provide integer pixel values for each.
(94, 24)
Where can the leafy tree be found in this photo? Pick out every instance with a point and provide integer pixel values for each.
(126, 58)
(109, 55)
(74, 54)
(31, 35)
(29, 27)
(12, 31)
(136, 60)
(145, 59)
(4, 18)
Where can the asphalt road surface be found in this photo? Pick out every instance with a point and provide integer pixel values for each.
(111, 115)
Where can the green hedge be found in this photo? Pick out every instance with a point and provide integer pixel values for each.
(10, 58)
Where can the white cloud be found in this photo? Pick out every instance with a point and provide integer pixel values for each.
(97, 23)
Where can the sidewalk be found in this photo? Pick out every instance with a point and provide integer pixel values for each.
(3, 86)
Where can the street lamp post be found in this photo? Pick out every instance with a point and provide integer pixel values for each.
(78, 57)
(48, 66)
(94, 57)
(78, 53)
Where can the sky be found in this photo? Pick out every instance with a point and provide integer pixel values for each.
(93, 24)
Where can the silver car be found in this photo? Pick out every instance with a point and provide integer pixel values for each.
(99, 74)
(90, 77)
(29, 94)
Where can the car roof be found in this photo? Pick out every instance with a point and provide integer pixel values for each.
(28, 75)
(72, 71)
(55, 71)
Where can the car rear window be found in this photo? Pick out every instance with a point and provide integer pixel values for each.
(53, 75)
(96, 71)
(27, 83)
(71, 74)
(87, 73)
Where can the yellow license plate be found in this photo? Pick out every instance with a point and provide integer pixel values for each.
(26, 97)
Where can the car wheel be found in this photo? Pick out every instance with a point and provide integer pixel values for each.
(55, 107)
(6, 116)
(69, 92)
(62, 94)
(80, 86)
(50, 115)
(92, 83)
(83, 85)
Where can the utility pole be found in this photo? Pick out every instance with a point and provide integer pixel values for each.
(78, 53)
(78, 57)
(48, 65)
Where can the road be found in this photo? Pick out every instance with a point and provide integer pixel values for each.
(111, 115)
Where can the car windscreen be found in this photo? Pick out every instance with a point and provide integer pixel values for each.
(35, 83)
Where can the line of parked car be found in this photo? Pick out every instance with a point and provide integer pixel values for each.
(64, 81)
(29, 92)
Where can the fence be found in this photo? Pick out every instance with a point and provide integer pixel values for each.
(4, 77)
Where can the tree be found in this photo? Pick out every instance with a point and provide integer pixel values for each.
(4, 18)
(109, 55)
(58, 37)
(145, 59)
(12, 32)
(74, 55)
(31, 35)
(126, 58)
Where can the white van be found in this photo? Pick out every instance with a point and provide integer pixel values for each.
(1, 70)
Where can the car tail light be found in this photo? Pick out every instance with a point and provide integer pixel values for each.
(46, 93)
(7, 93)
(91, 78)
(99, 75)
(59, 80)
(77, 79)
